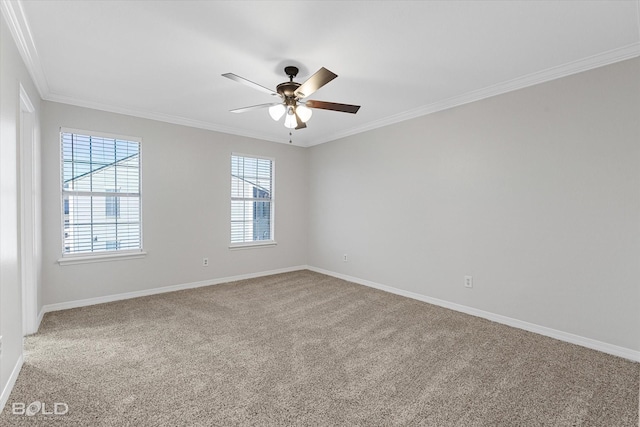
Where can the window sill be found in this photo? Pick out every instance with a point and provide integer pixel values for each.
(253, 245)
(86, 259)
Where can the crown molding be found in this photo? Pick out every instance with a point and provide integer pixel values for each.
(585, 64)
(14, 15)
(161, 117)
(19, 28)
(553, 73)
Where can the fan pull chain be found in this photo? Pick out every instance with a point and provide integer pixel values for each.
(289, 137)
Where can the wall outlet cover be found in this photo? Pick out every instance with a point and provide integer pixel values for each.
(468, 281)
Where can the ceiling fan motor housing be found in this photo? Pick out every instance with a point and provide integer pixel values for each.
(287, 91)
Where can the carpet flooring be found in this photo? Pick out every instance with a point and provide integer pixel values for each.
(306, 349)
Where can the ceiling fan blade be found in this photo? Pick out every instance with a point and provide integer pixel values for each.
(344, 108)
(315, 82)
(249, 83)
(301, 124)
(254, 107)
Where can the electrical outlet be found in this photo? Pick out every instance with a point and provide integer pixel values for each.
(468, 281)
(345, 258)
(205, 262)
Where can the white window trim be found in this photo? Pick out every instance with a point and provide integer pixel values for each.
(100, 256)
(86, 258)
(253, 245)
(258, 243)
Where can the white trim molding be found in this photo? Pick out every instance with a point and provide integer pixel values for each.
(604, 347)
(253, 245)
(6, 392)
(585, 64)
(29, 189)
(146, 292)
(39, 319)
(26, 104)
(520, 324)
(19, 28)
(160, 117)
(553, 73)
(100, 257)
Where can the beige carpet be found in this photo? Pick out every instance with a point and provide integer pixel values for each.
(306, 349)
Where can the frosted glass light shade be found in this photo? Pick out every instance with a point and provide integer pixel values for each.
(304, 112)
(277, 111)
(290, 121)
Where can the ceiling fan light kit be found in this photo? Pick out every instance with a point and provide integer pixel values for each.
(304, 112)
(290, 121)
(277, 111)
(297, 112)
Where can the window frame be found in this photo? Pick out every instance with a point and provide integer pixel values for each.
(255, 243)
(106, 255)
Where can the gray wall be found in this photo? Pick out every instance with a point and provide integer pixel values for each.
(13, 73)
(534, 193)
(185, 207)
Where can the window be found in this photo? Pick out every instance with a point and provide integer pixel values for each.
(100, 194)
(252, 201)
(112, 205)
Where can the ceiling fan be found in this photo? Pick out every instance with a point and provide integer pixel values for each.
(296, 110)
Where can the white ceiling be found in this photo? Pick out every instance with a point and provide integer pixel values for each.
(164, 59)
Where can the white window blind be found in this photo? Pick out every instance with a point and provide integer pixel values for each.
(252, 202)
(100, 193)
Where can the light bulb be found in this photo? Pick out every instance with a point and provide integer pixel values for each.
(304, 112)
(277, 111)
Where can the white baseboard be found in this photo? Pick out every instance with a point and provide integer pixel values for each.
(4, 397)
(604, 347)
(117, 297)
(531, 327)
(146, 292)
(39, 319)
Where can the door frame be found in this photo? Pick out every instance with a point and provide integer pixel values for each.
(29, 189)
